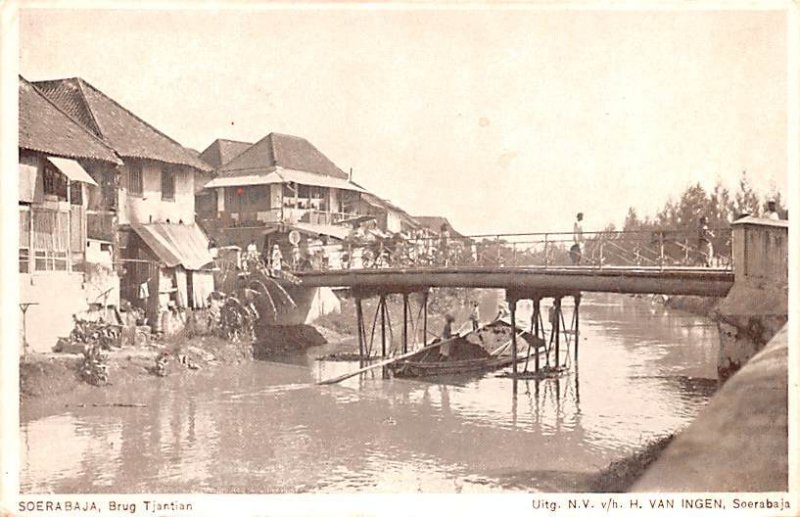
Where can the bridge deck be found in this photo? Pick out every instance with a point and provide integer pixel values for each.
(544, 281)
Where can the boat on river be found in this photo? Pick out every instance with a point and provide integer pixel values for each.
(485, 349)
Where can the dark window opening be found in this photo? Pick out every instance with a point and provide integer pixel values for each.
(135, 179)
(168, 183)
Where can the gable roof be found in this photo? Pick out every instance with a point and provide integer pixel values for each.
(129, 135)
(222, 151)
(284, 151)
(434, 223)
(45, 128)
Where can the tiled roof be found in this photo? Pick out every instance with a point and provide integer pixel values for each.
(129, 135)
(45, 128)
(278, 150)
(223, 151)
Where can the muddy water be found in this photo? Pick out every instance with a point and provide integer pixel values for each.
(264, 427)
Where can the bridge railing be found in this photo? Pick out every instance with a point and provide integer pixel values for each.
(598, 249)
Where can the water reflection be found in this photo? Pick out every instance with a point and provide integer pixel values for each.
(265, 427)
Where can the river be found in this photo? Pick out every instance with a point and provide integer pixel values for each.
(264, 427)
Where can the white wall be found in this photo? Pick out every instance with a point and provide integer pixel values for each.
(149, 207)
(335, 205)
(52, 317)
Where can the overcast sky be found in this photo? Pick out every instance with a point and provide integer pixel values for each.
(500, 120)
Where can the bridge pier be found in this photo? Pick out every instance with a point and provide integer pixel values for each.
(513, 309)
(559, 332)
(360, 330)
(405, 322)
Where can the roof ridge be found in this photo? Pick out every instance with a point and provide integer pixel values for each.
(234, 141)
(80, 124)
(129, 112)
(78, 80)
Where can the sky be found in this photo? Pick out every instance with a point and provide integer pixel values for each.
(501, 119)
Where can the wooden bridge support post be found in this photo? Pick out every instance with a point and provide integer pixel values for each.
(360, 328)
(577, 299)
(382, 309)
(557, 329)
(513, 308)
(535, 328)
(425, 317)
(405, 322)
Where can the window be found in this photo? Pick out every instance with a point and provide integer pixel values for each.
(75, 193)
(54, 183)
(168, 183)
(135, 179)
(24, 239)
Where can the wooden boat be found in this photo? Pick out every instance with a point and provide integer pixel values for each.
(483, 350)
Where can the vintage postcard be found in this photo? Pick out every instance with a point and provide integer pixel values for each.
(355, 258)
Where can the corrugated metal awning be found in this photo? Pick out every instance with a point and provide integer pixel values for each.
(72, 170)
(176, 244)
(279, 175)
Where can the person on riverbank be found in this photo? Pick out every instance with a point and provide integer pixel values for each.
(276, 259)
(577, 238)
(704, 246)
(474, 315)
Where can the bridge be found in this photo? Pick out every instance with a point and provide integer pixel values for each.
(746, 264)
(636, 262)
(548, 282)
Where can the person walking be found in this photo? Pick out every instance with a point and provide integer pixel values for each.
(577, 238)
(704, 246)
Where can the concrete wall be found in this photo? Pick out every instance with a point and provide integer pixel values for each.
(757, 305)
(149, 207)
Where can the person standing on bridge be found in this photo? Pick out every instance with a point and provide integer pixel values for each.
(705, 248)
(577, 237)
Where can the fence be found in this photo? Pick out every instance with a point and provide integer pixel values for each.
(639, 249)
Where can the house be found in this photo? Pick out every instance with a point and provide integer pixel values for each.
(145, 207)
(278, 184)
(388, 216)
(219, 153)
(56, 256)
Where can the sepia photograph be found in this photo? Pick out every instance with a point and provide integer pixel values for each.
(430, 248)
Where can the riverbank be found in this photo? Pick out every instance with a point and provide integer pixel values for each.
(622, 475)
(55, 377)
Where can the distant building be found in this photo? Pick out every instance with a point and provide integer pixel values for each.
(280, 183)
(63, 271)
(144, 208)
(434, 225)
(388, 216)
(219, 153)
